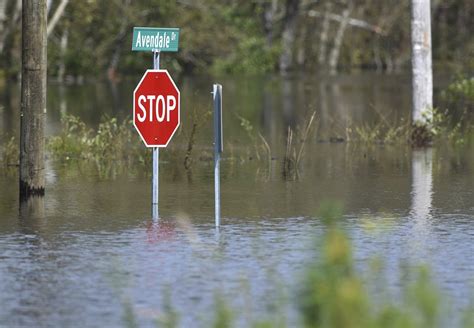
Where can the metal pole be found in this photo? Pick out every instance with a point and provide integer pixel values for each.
(156, 156)
(218, 148)
(217, 188)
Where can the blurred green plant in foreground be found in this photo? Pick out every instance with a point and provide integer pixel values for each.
(333, 294)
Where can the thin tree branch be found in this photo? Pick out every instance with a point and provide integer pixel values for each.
(352, 21)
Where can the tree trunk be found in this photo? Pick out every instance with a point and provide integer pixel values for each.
(270, 10)
(7, 38)
(301, 54)
(336, 49)
(33, 98)
(323, 38)
(119, 40)
(62, 54)
(289, 35)
(9, 19)
(56, 17)
(421, 62)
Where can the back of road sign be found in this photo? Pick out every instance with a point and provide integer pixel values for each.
(155, 39)
(218, 135)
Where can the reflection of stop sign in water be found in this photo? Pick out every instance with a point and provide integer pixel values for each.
(156, 108)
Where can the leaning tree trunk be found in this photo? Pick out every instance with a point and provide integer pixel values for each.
(336, 49)
(421, 62)
(33, 98)
(323, 38)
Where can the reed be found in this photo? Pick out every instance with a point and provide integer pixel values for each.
(295, 152)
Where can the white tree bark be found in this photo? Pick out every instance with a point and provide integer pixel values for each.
(422, 79)
(323, 38)
(3, 9)
(336, 49)
(56, 16)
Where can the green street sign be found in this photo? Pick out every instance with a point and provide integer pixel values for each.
(152, 38)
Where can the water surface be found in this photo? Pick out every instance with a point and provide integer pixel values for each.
(89, 249)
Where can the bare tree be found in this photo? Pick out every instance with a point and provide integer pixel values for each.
(421, 62)
(33, 98)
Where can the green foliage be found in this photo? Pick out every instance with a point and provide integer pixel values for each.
(251, 56)
(238, 36)
(170, 318)
(223, 315)
(460, 94)
(463, 87)
(456, 130)
(333, 294)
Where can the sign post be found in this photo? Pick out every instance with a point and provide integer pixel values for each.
(156, 158)
(218, 148)
(156, 99)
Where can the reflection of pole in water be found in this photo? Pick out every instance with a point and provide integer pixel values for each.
(422, 183)
(32, 212)
(62, 100)
(289, 115)
(421, 196)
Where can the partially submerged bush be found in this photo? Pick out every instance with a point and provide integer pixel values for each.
(112, 146)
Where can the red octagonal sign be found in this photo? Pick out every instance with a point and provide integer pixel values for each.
(156, 108)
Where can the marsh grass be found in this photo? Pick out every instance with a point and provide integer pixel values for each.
(259, 148)
(113, 147)
(197, 123)
(294, 151)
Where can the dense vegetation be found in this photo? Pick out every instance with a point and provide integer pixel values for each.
(93, 37)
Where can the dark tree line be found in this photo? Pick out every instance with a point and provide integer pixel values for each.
(90, 38)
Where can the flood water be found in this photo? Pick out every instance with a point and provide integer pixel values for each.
(89, 250)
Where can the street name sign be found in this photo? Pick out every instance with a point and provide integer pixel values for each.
(156, 108)
(155, 39)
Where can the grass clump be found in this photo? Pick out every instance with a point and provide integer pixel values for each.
(294, 153)
(112, 147)
(261, 148)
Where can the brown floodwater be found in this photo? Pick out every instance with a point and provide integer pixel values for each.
(89, 249)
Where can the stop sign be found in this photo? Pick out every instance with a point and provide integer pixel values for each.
(156, 107)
